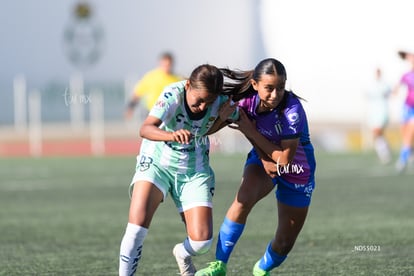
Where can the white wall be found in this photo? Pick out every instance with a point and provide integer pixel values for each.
(330, 49)
(214, 31)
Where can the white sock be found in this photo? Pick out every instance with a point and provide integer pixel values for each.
(181, 251)
(131, 248)
(382, 149)
(195, 248)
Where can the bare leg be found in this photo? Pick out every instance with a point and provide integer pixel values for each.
(255, 185)
(145, 200)
(291, 220)
(199, 223)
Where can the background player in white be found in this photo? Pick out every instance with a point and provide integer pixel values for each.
(378, 95)
(174, 159)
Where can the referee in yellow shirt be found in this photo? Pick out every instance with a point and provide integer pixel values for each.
(152, 84)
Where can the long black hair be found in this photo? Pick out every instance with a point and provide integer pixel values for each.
(238, 83)
(207, 77)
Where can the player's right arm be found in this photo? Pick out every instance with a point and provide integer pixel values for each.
(268, 164)
(129, 111)
(150, 130)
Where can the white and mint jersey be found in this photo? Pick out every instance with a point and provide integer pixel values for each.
(172, 110)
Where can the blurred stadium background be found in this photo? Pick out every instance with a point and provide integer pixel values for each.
(67, 68)
(78, 60)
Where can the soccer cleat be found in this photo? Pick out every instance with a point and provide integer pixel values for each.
(257, 271)
(400, 166)
(185, 265)
(217, 268)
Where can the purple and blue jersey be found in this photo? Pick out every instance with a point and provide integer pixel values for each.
(408, 80)
(289, 123)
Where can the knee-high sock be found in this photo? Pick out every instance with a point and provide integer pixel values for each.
(229, 234)
(382, 148)
(271, 259)
(131, 248)
(405, 154)
(193, 248)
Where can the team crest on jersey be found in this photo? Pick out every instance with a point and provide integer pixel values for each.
(293, 117)
(160, 104)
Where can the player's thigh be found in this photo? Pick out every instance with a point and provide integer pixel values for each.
(196, 190)
(199, 223)
(255, 184)
(293, 203)
(410, 130)
(145, 200)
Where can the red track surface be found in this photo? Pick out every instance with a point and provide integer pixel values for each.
(70, 148)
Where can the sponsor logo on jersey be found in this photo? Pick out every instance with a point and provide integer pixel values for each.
(278, 128)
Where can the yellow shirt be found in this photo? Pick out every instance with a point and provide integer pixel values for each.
(152, 84)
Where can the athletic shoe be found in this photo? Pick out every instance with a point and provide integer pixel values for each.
(185, 265)
(217, 268)
(400, 166)
(257, 271)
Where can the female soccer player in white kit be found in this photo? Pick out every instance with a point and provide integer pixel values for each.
(174, 159)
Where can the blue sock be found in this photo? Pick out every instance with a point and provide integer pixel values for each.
(228, 236)
(270, 259)
(405, 154)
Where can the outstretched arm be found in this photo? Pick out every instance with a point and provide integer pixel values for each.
(129, 111)
(228, 108)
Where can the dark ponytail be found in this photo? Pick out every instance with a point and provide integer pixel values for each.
(237, 83)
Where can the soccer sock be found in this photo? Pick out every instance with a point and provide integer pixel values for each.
(193, 248)
(229, 234)
(382, 149)
(196, 248)
(405, 154)
(131, 248)
(270, 259)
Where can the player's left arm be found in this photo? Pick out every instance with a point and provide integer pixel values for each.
(281, 155)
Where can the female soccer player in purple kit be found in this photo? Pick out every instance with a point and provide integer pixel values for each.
(274, 121)
(407, 128)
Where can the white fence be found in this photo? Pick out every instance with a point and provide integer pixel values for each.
(87, 118)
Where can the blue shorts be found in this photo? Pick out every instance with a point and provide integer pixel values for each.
(292, 194)
(408, 113)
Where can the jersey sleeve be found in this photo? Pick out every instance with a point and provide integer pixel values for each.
(235, 115)
(248, 105)
(294, 121)
(165, 104)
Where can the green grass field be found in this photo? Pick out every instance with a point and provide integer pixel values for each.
(66, 216)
